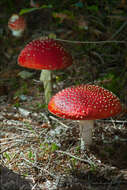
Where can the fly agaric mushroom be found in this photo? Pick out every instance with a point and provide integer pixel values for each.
(85, 103)
(45, 55)
(17, 25)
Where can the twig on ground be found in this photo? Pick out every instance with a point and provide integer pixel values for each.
(99, 56)
(9, 142)
(22, 129)
(77, 158)
(16, 144)
(46, 118)
(119, 30)
(118, 17)
(35, 185)
(115, 121)
(10, 147)
(4, 139)
(92, 42)
(53, 118)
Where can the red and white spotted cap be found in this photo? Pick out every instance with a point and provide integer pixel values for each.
(85, 102)
(44, 54)
(16, 24)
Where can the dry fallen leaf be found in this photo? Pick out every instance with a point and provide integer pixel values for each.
(45, 125)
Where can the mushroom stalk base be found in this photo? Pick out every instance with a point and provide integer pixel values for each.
(46, 78)
(86, 127)
(17, 33)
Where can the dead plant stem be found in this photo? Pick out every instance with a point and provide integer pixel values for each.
(77, 158)
(90, 42)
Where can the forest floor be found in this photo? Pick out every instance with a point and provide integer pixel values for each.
(38, 150)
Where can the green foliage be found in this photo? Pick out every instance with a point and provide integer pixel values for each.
(49, 147)
(93, 167)
(28, 10)
(31, 156)
(40, 106)
(54, 147)
(59, 78)
(93, 8)
(25, 74)
(22, 90)
(17, 104)
(73, 163)
(7, 156)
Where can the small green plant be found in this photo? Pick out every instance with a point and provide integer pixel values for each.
(93, 168)
(7, 156)
(25, 174)
(44, 147)
(54, 147)
(49, 147)
(93, 8)
(77, 149)
(31, 156)
(73, 163)
(17, 104)
(40, 106)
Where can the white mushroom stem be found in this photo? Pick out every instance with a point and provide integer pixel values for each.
(86, 127)
(46, 78)
(17, 33)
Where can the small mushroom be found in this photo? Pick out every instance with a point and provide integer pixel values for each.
(17, 25)
(45, 55)
(85, 103)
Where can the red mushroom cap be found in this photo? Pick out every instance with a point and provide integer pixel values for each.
(17, 22)
(85, 102)
(44, 54)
